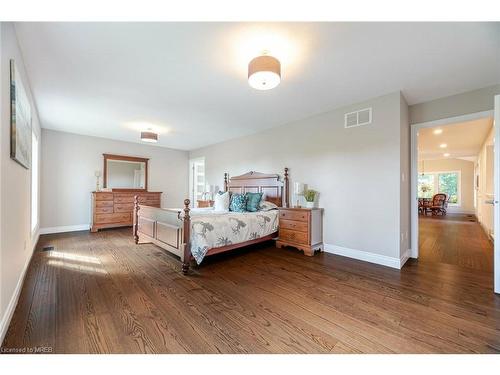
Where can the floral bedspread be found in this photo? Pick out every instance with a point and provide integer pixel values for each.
(216, 229)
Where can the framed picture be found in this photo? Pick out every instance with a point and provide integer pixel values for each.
(20, 120)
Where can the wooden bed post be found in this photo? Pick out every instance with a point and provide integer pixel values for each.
(186, 237)
(225, 181)
(287, 199)
(136, 219)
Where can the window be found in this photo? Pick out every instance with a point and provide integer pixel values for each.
(425, 185)
(34, 182)
(440, 182)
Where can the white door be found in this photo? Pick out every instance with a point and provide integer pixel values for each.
(496, 207)
(197, 180)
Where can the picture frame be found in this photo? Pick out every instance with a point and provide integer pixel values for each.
(20, 120)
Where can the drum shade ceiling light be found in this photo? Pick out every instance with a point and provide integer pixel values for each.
(149, 136)
(264, 72)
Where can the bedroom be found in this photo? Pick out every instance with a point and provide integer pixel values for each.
(245, 188)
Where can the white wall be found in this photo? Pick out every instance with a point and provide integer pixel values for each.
(17, 241)
(357, 172)
(466, 169)
(69, 162)
(456, 105)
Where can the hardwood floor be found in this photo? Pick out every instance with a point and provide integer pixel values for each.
(100, 293)
(455, 239)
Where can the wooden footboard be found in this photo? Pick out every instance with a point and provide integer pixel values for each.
(166, 228)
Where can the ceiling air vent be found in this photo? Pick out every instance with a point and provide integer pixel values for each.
(358, 118)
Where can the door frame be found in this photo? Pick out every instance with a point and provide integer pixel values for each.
(496, 198)
(414, 174)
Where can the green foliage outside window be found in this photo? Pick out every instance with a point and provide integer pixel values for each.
(430, 184)
(448, 184)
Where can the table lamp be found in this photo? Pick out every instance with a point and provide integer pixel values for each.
(298, 189)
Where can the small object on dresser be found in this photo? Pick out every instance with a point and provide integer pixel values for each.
(202, 203)
(298, 189)
(301, 228)
(97, 174)
(310, 197)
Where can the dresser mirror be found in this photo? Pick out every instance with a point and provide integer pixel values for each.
(126, 173)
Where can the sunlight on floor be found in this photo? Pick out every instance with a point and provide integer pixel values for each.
(80, 263)
(78, 258)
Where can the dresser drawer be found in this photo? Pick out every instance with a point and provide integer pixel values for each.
(124, 207)
(290, 235)
(104, 210)
(113, 218)
(124, 199)
(300, 226)
(104, 196)
(100, 204)
(294, 215)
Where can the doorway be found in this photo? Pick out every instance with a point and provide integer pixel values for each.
(441, 166)
(196, 180)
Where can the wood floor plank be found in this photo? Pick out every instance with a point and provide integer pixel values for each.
(101, 293)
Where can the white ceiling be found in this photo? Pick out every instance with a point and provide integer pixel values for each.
(463, 140)
(189, 79)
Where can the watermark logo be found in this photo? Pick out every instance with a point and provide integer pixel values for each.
(28, 350)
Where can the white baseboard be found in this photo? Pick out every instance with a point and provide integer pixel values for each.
(366, 256)
(404, 258)
(11, 307)
(67, 228)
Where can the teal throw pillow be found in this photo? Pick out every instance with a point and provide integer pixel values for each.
(238, 203)
(253, 201)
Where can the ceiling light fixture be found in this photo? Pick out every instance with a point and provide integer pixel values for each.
(264, 72)
(446, 155)
(149, 136)
(443, 145)
(438, 131)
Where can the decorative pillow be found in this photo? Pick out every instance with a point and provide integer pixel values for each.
(267, 206)
(238, 203)
(253, 201)
(221, 202)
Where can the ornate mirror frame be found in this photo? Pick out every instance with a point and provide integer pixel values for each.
(125, 158)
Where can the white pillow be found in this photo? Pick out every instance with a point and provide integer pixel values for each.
(267, 206)
(221, 202)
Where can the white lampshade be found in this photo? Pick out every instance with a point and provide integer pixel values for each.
(264, 72)
(149, 136)
(298, 188)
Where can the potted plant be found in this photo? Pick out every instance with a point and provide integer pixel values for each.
(310, 197)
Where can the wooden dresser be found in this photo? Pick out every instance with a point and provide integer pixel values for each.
(115, 209)
(301, 228)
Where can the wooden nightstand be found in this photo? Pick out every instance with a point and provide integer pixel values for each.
(204, 203)
(301, 228)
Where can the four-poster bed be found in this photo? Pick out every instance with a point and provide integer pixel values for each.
(172, 229)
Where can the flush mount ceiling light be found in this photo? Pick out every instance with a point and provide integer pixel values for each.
(149, 136)
(264, 72)
(443, 145)
(438, 131)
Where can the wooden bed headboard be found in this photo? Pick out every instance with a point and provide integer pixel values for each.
(274, 190)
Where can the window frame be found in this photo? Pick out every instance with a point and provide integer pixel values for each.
(35, 186)
(436, 185)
